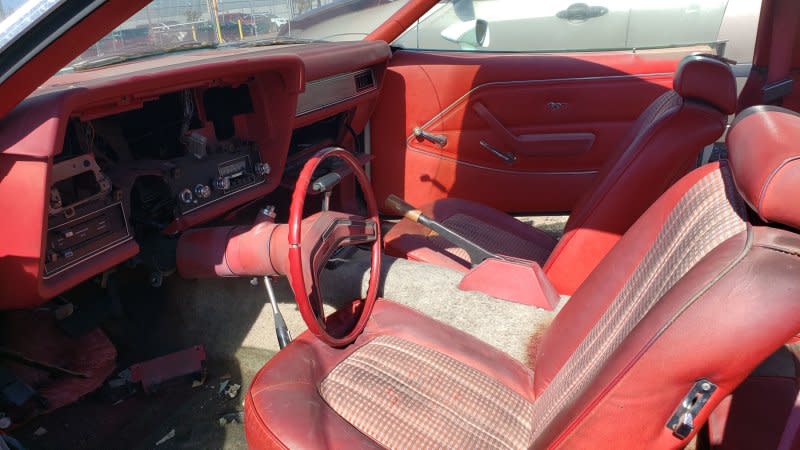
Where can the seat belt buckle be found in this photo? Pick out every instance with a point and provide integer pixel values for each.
(776, 90)
(682, 421)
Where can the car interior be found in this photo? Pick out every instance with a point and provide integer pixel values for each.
(349, 244)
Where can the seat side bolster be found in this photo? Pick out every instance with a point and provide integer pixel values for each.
(673, 347)
(584, 309)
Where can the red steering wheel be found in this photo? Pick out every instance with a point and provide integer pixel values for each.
(312, 242)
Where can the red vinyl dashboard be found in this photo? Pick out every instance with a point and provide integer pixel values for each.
(72, 153)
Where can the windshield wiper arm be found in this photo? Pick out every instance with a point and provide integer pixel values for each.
(116, 59)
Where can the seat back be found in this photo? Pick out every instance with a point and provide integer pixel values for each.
(698, 288)
(662, 146)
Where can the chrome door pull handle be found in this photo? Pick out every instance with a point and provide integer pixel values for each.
(507, 157)
(438, 139)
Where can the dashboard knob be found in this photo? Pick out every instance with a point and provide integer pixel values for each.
(262, 169)
(186, 196)
(269, 211)
(202, 191)
(222, 183)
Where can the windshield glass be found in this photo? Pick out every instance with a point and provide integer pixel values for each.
(171, 25)
(17, 16)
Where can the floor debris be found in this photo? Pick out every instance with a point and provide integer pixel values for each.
(166, 437)
(236, 417)
(41, 431)
(158, 370)
(233, 390)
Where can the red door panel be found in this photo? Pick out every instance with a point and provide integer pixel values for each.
(556, 119)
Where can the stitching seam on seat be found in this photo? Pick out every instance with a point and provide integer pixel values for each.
(626, 370)
(770, 178)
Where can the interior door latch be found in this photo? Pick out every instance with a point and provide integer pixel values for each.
(682, 421)
(438, 139)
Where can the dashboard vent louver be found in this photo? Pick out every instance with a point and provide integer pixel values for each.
(364, 81)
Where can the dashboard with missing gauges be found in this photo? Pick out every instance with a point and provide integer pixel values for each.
(141, 152)
(148, 167)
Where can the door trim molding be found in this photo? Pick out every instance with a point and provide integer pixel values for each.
(466, 95)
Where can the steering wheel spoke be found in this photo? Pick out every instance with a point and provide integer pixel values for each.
(339, 230)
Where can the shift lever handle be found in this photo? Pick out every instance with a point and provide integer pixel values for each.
(400, 206)
(477, 254)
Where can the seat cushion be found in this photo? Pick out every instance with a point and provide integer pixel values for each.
(329, 388)
(403, 395)
(491, 229)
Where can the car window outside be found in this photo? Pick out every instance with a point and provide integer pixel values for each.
(168, 25)
(570, 26)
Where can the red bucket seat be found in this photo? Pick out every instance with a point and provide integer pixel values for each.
(661, 147)
(701, 289)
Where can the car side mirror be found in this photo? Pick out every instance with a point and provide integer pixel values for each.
(469, 35)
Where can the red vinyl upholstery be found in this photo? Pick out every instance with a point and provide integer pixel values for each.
(707, 80)
(653, 318)
(661, 146)
(767, 174)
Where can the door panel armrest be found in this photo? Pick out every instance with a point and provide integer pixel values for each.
(540, 144)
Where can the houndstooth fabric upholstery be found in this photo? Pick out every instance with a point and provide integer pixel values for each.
(707, 215)
(404, 395)
(493, 239)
